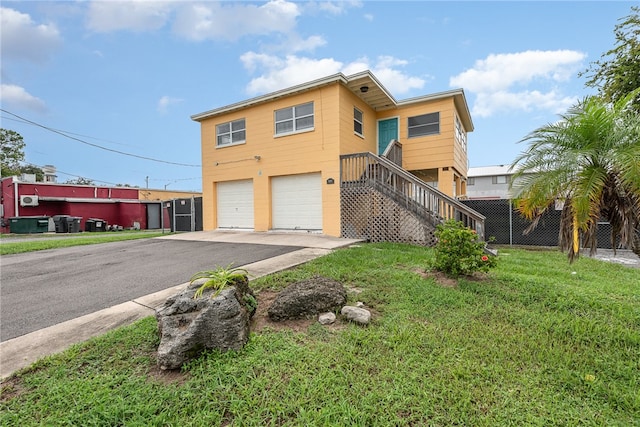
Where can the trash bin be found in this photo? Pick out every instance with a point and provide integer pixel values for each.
(95, 224)
(28, 224)
(73, 224)
(61, 222)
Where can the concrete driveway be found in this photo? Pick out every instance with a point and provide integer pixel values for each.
(52, 299)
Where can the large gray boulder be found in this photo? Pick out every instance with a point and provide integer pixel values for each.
(308, 298)
(187, 326)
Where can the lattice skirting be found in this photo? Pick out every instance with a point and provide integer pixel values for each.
(368, 214)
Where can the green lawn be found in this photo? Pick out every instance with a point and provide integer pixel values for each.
(539, 342)
(31, 242)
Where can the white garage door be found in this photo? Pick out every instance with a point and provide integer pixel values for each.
(235, 204)
(297, 202)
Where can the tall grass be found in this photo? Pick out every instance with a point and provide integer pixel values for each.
(538, 342)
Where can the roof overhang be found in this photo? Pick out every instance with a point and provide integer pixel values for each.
(459, 100)
(364, 85)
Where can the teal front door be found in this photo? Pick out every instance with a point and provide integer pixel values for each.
(387, 130)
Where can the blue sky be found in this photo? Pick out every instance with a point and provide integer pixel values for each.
(127, 75)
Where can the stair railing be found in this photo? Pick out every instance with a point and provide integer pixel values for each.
(410, 192)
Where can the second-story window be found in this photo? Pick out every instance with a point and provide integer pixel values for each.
(426, 124)
(231, 133)
(358, 121)
(500, 179)
(461, 135)
(294, 119)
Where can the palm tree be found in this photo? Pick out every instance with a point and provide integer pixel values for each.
(589, 160)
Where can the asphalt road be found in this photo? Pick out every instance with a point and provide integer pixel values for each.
(40, 289)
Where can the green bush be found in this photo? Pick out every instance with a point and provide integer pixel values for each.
(459, 252)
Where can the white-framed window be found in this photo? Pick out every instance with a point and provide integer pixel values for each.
(358, 122)
(294, 119)
(426, 124)
(461, 135)
(500, 179)
(471, 181)
(231, 133)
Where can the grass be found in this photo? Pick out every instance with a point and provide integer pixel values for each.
(538, 342)
(63, 241)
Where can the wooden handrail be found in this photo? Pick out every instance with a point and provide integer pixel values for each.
(367, 169)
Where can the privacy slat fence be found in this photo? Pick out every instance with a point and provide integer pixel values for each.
(380, 201)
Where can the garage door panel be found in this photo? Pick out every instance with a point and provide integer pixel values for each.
(297, 202)
(235, 204)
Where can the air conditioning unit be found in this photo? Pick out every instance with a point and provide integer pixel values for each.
(28, 200)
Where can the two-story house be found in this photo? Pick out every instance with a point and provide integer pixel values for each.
(282, 161)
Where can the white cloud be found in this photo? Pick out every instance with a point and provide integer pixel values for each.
(331, 7)
(202, 21)
(165, 102)
(297, 44)
(501, 81)
(489, 103)
(18, 97)
(133, 15)
(24, 39)
(279, 73)
(368, 17)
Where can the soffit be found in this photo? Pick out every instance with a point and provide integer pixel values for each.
(367, 88)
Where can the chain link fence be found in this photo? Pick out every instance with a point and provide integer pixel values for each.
(507, 227)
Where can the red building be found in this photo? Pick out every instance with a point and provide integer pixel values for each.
(116, 205)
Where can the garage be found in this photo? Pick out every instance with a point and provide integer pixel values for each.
(297, 202)
(235, 204)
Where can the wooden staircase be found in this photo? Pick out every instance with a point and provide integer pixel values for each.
(380, 201)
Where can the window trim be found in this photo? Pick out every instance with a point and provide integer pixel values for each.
(428, 124)
(356, 121)
(293, 119)
(494, 179)
(231, 132)
(461, 134)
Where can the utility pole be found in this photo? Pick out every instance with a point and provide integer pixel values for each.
(147, 182)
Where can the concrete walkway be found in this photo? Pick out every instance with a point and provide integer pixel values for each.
(22, 351)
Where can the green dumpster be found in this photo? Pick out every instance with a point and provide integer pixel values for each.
(28, 224)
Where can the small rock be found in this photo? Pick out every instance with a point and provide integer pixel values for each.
(356, 314)
(360, 304)
(326, 318)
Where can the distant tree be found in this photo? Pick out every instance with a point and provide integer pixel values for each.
(80, 181)
(617, 72)
(35, 170)
(590, 161)
(12, 156)
(11, 152)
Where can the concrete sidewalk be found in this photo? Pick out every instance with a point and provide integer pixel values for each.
(22, 351)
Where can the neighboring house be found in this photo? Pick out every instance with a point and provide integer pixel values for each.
(285, 160)
(125, 206)
(489, 182)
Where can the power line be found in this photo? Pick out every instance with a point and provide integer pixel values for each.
(67, 132)
(96, 145)
(70, 174)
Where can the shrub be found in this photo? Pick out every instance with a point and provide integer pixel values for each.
(459, 252)
(218, 279)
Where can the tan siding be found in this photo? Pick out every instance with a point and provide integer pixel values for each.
(305, 152)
